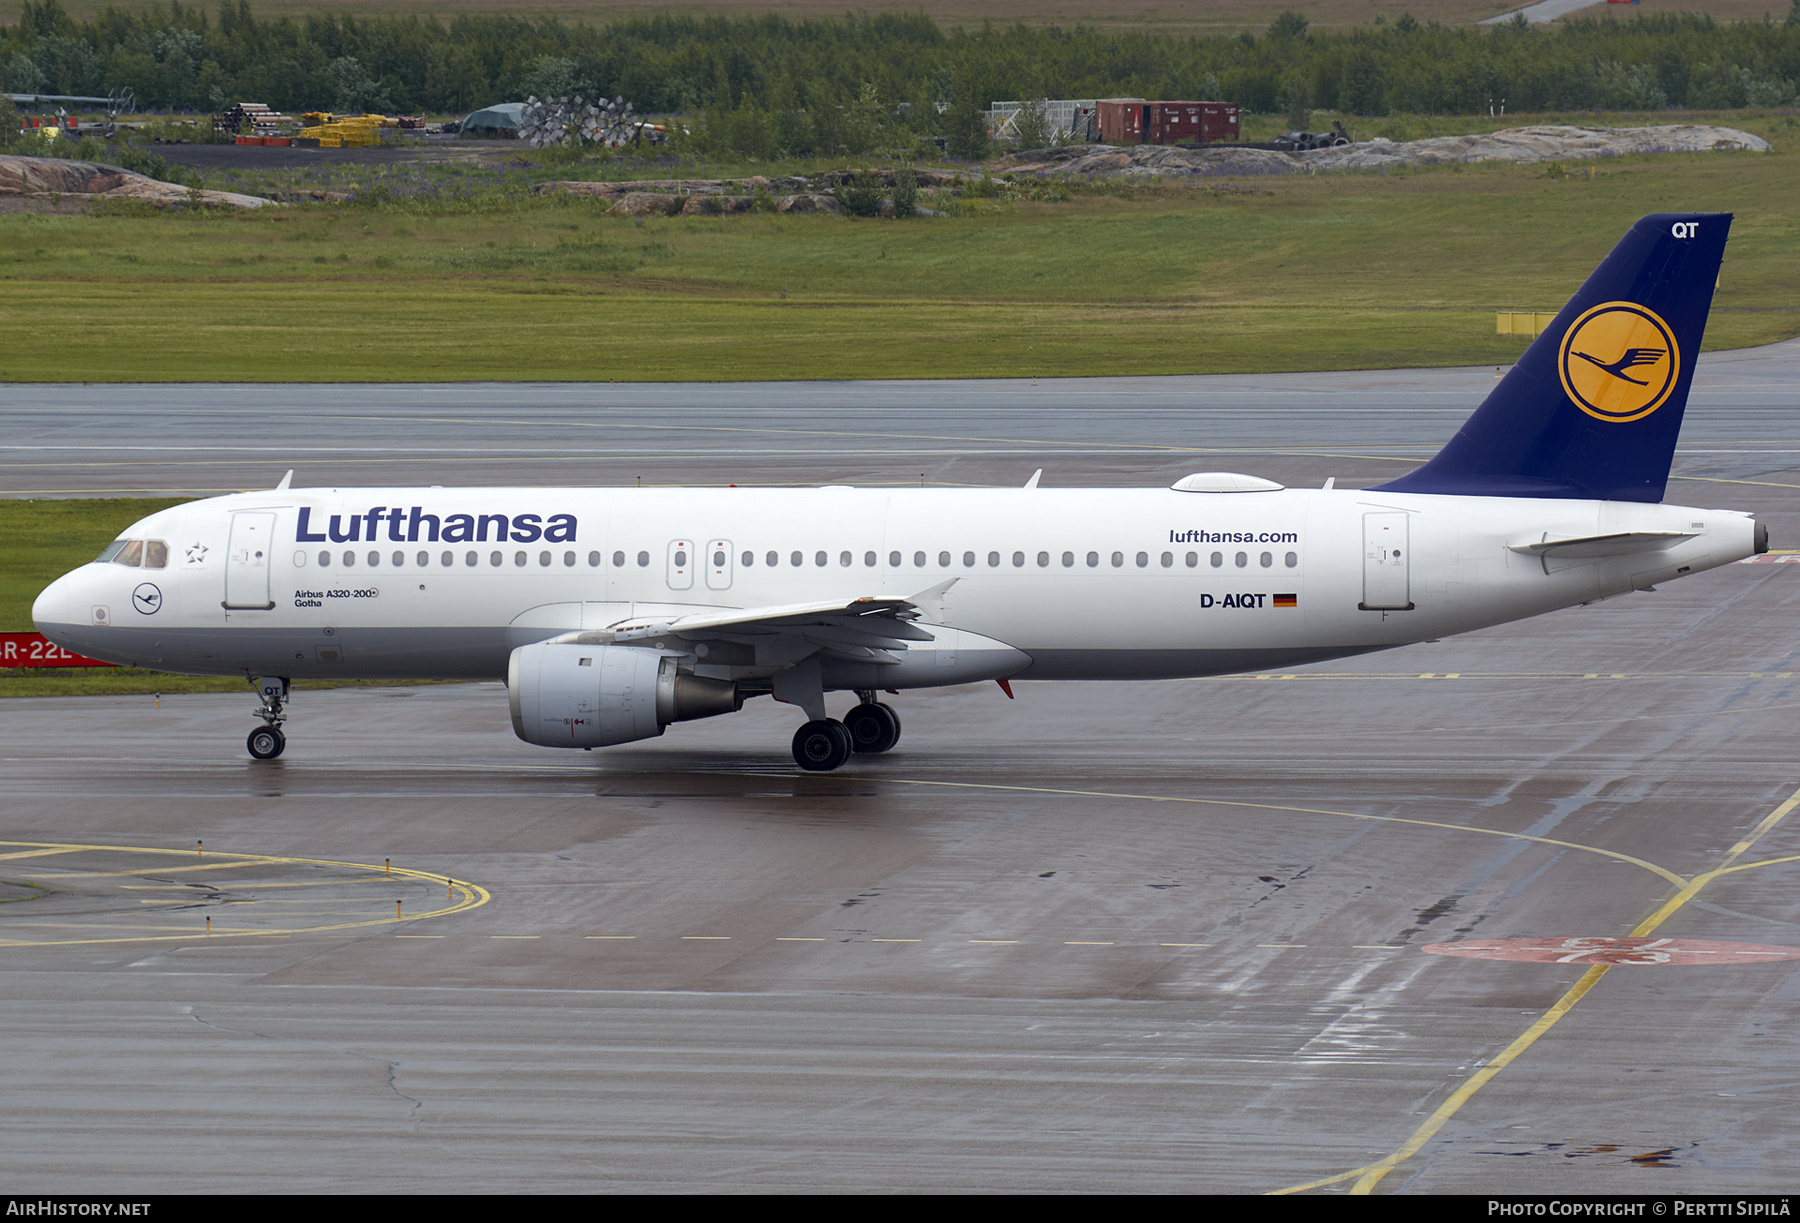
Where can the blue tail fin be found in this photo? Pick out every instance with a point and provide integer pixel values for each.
(1593, 408)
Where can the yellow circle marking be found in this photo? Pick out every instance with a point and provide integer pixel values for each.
(458, 895)
(1619, 361)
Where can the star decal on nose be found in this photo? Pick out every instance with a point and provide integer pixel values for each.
(196, 553)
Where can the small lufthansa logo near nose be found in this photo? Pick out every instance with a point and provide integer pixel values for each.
(146, 599)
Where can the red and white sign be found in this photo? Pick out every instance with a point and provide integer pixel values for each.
(1603, 950)
(35, 650)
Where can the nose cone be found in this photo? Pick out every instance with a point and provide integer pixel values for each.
(52, 610)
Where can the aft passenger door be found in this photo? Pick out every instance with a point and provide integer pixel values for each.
(1386, 555)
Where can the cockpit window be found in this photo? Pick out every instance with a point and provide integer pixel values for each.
(150, 553)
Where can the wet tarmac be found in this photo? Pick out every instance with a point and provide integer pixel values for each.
(1158, 937)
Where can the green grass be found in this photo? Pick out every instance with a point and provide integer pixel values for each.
(1207, 276)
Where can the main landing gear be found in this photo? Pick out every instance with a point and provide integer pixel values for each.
(267, 742)
(826, 744)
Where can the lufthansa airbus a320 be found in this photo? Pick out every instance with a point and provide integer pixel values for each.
(612, 613)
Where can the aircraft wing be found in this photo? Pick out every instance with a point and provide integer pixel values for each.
(869, 629)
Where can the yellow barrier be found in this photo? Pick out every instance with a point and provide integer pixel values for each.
(1522, 322)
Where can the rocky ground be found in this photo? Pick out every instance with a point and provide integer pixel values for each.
(48, 184)
(62, 184)
(713, 196)
(1519, 144)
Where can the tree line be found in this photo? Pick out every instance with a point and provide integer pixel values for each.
(769, 84)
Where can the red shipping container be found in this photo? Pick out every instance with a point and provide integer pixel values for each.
(1137, 121)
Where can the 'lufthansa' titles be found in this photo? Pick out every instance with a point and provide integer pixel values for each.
(414, 524)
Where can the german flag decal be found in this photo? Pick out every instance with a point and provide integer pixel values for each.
(1287, 600)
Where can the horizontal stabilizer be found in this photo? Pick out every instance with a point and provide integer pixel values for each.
(1592, 547)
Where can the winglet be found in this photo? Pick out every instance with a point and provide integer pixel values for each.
(930, 601)
(285, 480)
(1593, 408)
(1035, 476)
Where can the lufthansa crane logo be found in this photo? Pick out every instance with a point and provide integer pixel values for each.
(1619, 362)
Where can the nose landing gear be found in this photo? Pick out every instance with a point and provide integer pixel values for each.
(267, 742)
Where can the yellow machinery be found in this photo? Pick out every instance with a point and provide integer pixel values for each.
(343, 131)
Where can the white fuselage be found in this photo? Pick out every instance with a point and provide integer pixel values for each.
(1086, 584)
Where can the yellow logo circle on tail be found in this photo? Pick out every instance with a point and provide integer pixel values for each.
(1619, 362)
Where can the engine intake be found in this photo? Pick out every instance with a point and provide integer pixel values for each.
(598, 695)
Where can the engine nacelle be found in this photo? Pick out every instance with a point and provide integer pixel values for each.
(598, 695)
